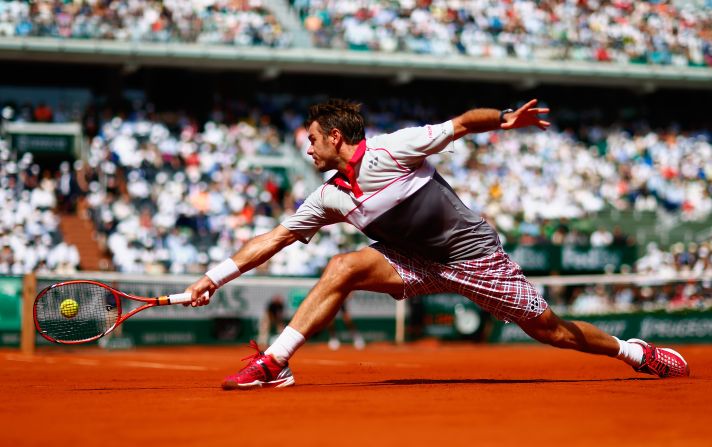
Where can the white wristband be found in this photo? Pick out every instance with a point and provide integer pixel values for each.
(224, 272)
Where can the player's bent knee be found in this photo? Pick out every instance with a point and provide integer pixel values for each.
(344, 268)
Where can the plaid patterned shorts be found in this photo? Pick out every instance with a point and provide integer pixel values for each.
(495, 282)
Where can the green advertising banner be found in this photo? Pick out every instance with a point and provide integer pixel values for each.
(10, 303)
(232, 317)
(10, 310)
(448, 316)
(227, 331)
(676, 327)
(43, 143)
(143, 332)
(570, 259)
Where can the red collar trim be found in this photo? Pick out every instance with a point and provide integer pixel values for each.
(358, 155)
(349, 176)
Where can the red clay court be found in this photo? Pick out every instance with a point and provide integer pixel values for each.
(421, 394)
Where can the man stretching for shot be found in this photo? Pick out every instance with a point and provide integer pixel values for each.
(428, 242)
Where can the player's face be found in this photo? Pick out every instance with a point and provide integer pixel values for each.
(322, 149)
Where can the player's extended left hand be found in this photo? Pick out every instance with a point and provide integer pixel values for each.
(198, 289)
(526, 116)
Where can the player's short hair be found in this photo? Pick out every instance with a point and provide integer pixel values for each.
(339, 114)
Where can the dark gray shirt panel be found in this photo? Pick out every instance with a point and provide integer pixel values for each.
(435, 224)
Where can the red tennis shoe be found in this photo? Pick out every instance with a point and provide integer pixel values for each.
(263, 371)
(661, 362)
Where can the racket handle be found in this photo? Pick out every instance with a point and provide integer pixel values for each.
(180, 298)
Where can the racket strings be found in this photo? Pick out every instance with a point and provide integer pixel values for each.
(76, 311)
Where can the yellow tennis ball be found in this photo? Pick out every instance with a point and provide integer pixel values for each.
(69, 308)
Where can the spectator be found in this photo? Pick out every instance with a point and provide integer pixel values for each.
(43, 113)
(272, 322)
(601, 237)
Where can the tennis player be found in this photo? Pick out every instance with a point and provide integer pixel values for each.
(428, 241)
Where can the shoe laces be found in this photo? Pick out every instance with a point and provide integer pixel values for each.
(256, 355)
(252, 365)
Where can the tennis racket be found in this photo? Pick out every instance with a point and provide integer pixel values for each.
(80, 311)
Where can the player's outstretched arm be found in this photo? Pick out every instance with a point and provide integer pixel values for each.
(485, 120)
(255, 252)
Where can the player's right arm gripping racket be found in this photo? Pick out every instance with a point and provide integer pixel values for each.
(81, 311)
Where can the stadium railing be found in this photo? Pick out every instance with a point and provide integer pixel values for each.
(401, 66)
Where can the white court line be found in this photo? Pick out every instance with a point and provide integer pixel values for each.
(26, 359)
(397, 365)
(163, 366)
(19, 358)
(155, 365)
(343, 363)
(329, 362)
(85, 362)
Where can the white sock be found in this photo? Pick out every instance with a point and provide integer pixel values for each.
(286, 344)
(631, 353)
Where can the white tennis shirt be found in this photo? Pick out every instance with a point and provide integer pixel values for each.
(393, 195)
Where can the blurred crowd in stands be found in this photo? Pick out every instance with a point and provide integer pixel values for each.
(167, 194)
(29, 224)
(528, 181)
(231, 22)
(622, 31)
(630, 297)
(656, 294)
(177, 201)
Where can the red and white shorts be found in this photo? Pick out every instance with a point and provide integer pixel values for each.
(495, 282)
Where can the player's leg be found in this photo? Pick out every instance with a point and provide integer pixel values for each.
(585, 337)
(366, 269)
(550, 329)
(497, 284)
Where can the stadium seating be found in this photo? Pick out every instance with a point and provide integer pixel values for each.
(179, 202)
(216, 22)
(661, 32)
(179, 197)
(29, 236)
(190, 198)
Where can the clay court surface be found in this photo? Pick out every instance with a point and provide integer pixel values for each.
(422, 394)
